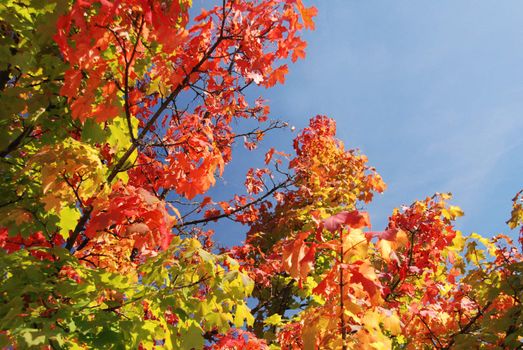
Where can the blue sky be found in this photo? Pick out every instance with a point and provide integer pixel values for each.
(430, 91)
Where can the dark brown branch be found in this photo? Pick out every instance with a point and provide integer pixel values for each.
(158, 113)
(75, 189)
(467, 327)
(238, 209)
(433, 338)
(79, 227)
(128, 64)
(16, 142)
(201, 280)
(397, 282)
(5, 76)
(13, 201)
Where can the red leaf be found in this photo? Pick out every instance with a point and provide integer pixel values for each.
(365, 275)
(268, 155)
(354, 219)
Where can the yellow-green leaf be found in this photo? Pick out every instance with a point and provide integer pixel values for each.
(68, 220)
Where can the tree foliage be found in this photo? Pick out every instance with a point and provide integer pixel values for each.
(119, 116)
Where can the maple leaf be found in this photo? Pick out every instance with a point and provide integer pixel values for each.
(364, 274)
(277, 76)
(390, 241)
(353, 219)
(298, 256)
(268, 155)
(307, 13)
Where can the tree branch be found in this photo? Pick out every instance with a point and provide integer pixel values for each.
(467, 327)
(240, 208)
(16, 142)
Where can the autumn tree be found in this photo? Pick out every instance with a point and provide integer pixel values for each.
(116, 116)
(325, 279)
(119, 116)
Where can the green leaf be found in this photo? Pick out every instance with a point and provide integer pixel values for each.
(105, 337)
(191, 335)
(32, 337)
(93, 132)
(4, 340)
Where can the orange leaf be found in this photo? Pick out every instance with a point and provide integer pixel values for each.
(298, 257)
(306, 14)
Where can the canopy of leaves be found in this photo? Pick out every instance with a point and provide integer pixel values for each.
(117, 119)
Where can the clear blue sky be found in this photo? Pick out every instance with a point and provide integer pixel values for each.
(430, 91)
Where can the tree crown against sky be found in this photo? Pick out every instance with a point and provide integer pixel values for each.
(118, 118)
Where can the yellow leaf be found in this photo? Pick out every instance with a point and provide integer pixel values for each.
(353, 316)
(380, 345)
(452, 212)
(61, 163)
(392, 324)
(486, 242)
(157, 86)
(68, 219)
(273, 320)
(371, 321)
(243, 313)
(355, 245)
(385, 248)
(458, 242)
